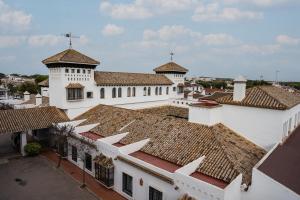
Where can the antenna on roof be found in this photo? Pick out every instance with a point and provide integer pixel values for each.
(70, 36)
(172, 54)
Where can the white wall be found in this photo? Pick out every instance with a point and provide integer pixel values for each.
(203, 115)
(264, 127)
(264, 187)
(58, 80)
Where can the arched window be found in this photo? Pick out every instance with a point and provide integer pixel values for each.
(156, 91)
(133, 91)
(149, 91)
(102, 93)
(167, 91)
(119, 92)
(160, 91)
(114, 93)
(128, 92)
(145, 91)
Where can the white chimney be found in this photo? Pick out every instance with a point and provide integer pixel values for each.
(38, 99)
(239, 91)
(26, 96)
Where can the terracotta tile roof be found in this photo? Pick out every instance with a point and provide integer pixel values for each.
(171, 67)
(29, 119)
(283, 163)
(180, 142)
(214, 96)
(44, 83)
(110, 119)
(74, 85)
(264, 97)
(71, 56)
(130, 79)
(172, 111)
(32, 100)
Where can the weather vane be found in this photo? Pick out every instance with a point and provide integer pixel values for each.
(70, 36)
(172, 54)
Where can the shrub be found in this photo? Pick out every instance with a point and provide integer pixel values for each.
(32, 149)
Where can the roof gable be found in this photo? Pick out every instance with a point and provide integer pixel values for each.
(171, 67)
(71, 56)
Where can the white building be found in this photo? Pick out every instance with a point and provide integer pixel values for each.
(75, 86)
(210, 150)
(265, 115)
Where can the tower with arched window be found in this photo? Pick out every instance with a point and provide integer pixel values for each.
(71, 79)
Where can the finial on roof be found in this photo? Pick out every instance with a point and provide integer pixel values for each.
(70, 36)
(172, 54)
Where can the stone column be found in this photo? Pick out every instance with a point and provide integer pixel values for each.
(23, 142)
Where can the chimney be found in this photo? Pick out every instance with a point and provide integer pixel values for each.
(26, 96)
(38, 99)
(239, 91)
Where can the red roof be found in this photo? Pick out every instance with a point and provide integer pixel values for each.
(163, 164)
(92, 136)
(283, 164)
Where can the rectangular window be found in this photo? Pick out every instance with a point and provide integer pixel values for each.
(89, 71)
(155, 194)
(174, 89)
(127, 184)
(74, 93)
(83, 71)
(89, 95)
(72, 70)
(104, 175)
(74, 153)
(78, 71)
(88, 161)
(66, 70)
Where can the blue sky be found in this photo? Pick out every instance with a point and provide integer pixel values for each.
(221, 38)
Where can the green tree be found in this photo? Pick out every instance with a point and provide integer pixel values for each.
(28, 86)
(39, 78)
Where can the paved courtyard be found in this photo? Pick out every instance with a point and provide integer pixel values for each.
(37, 178)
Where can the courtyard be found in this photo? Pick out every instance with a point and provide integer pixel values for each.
(36, 178)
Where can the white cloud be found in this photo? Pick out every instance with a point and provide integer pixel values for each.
(167, 33)
(287, 40)
(112, 30)
(260, 49)
(219, 39)
(263, 3)
(45, 40)
(142, 9)
(125, 11)
(12, 19)
(53, 40)
(11, 41)
(214, 12)
(181, 33)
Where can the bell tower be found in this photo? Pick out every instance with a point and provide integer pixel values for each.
(71, 81)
